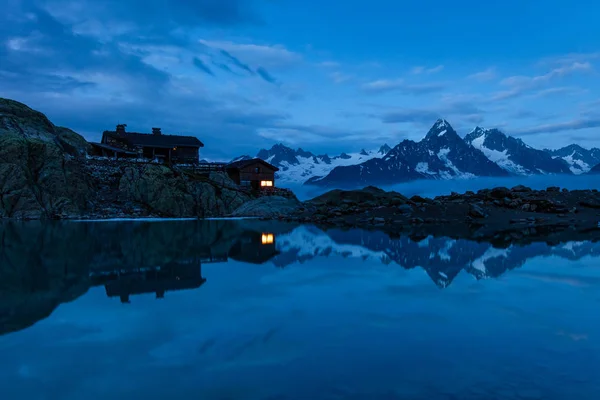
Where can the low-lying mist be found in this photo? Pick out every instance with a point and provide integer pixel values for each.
(432, 188)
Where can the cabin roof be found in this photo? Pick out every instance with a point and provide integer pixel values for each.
(152, 140)
(244, 163)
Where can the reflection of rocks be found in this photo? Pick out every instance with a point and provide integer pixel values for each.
(45, 264)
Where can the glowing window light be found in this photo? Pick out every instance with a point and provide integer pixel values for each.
(267, 238)
(266, 183)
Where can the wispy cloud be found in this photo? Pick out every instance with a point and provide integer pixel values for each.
(425, 70)
(573, 125)
(519, 85)
(484, 76)
(384, 85)
(268, 56)
(465, 111)
(263, 73)
(237, 62)
(202, 66)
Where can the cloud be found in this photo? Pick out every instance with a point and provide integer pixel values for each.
(383, 85)
(156, 15)
(265, 75)
(237, 62)
(573, 125)
(519, 85)
(202, 67)
(268, 56)
(570, 58)
(89, 82)
(424, 70)
(464, 111)
(484, 76)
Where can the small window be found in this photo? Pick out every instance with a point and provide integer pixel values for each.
(257, 170)
(266, 183)
(267, 238)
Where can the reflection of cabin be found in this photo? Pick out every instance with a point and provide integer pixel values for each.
(180, 275)
(254, 173)
(254, 248)
(155, 145)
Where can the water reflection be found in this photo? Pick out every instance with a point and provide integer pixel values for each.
(45, 264)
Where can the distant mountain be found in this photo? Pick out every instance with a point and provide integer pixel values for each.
(298, 166)
(442, 154)
(241, 158)
(514, 155)
(580, 160)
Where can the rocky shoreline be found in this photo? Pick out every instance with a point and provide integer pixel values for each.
(499, 215)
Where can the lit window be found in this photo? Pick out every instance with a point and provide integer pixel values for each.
(267, 238)
(174, 148)
(266, 183)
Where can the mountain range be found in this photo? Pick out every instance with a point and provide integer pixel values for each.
(299, 166)
(441, 154)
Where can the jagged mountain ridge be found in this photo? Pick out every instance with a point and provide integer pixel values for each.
(580, 160)
(514, 155)
(442, 154)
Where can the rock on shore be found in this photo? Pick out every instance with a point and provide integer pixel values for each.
(502, 213)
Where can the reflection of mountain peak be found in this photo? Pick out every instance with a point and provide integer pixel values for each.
(443, 259)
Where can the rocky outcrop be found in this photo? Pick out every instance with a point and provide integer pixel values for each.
(502, 214)
(40, 175)
(268, 207)
(46, 173)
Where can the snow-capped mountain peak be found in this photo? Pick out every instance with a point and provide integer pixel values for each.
(442, 154)
(442, 129)
(580, 160)
(513, 155)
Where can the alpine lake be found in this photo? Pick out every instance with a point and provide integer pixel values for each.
(265, 310)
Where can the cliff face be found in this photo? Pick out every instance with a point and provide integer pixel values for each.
(45, 173)
(40, 175)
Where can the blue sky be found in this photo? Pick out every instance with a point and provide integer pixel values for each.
(328, 76)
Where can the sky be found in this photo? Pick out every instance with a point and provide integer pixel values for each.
(327, 76)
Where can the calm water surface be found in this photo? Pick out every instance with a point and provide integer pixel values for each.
(257, 310)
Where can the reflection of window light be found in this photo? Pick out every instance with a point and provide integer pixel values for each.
(267, 238)
(266, 183)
